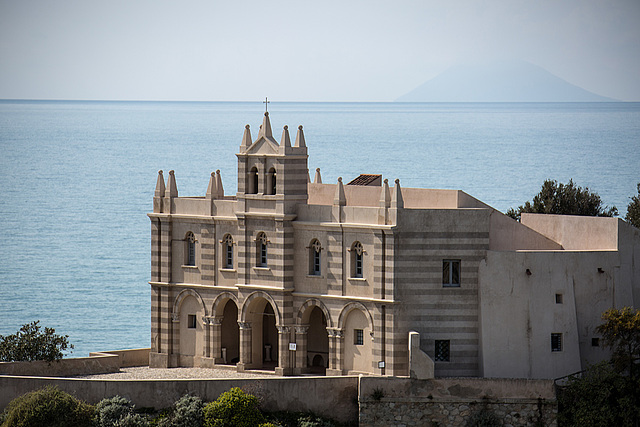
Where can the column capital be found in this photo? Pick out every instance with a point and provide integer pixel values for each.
(301, 329)
(284, 329)
(335, 332)
(175, 317)
(215, 320)
(244, 325)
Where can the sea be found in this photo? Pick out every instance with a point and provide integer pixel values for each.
(77, 180)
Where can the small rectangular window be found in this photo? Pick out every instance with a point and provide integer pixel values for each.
(556, 342)
(558, 298)
(358, 337)
(451, 273)
(595, 342)
(191, 321)
(442, 350)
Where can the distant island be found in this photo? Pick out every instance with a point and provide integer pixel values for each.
(507, 81)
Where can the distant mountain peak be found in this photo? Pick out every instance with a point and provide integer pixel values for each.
(503, 81)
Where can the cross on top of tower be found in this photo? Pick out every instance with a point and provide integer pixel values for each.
(266, 105)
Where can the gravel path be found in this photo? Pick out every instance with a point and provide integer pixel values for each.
(146, 373)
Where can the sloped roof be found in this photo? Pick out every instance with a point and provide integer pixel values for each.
(367, 179)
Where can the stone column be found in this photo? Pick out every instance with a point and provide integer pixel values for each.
(284, 354)
(174, 352)
(245, 346)
(301, 350)
(335, 351)
(215, 323)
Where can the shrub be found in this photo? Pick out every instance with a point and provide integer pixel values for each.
(48, 407)
(233, 408)
(188, 412)
(299, 419)
(118, 411)
(30, 343)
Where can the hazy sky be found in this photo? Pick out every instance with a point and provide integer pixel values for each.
(303, 50)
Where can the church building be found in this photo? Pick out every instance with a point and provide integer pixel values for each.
(301, 277)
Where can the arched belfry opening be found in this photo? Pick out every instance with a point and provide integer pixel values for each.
(252, 181)
(271, 182)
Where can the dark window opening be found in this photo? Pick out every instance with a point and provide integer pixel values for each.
(358, 337)
(556, 342)
(442, 352)
(451, 273)
(191, 321)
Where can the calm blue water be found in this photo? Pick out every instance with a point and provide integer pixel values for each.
(77, 179)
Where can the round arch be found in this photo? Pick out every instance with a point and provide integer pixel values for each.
(354, 306)
(256, 295)
(217, 308)
(185, 293)
(306, 308)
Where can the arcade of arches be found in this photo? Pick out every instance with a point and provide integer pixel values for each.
(251, 335)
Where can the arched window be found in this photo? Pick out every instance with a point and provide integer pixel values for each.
(356, 260)
(227, 251)
(314, 258)
(252, 181)
(271, 181)
(190, 240)
(261, 250)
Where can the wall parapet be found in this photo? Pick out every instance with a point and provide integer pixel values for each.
(104, 362)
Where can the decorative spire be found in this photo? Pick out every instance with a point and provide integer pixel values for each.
(219, 187)
(285, 141)
(397, 201)
(385, 195)
(339, 199)
(265, 129)
(300, 138)
(212, 189)
(172, 188)
(246, 138)
(317, 179)
(159, 185)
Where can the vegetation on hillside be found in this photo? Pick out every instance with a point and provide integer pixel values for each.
(633, 210)
(607, 393)
(235, 408)
(32, 343)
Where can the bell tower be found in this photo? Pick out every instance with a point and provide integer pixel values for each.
(272, 177)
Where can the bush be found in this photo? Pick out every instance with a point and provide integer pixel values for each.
(188, 412)
(233, 408)
(48, 407)
(599, 396)
(299, 419)
(30, 343)
(118, 411)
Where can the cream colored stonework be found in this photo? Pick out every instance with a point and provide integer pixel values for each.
(305, 277)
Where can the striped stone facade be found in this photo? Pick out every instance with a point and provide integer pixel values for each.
(302, 277)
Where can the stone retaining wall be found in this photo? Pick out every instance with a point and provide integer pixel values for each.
(333, 397)
(453, 401)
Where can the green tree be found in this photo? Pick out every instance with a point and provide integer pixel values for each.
(621, 332)
(633, 210)
(48, 406)
(564, 199)
(31, 343)
(599, 396)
